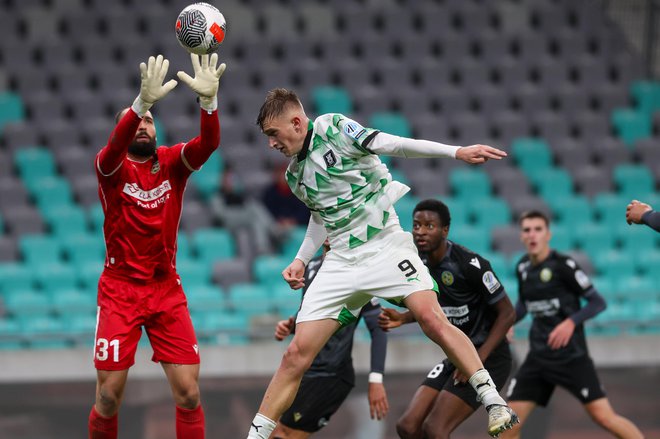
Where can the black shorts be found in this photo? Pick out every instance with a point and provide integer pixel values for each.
(535, 381)
(318, 398)
(498, 364)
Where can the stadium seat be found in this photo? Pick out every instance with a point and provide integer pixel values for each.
(531, 155)
(404, 209)
(552, 184)
(11, 109)
(25, 304)
(45, 332)
(55, 276)
(470, 184)
(223, 327)
(474, 238)
(15, 276)
(250, 299)
(213, 245)
(562, 237)
(81, 248)
(66, 220)
(50, 192)
(572, 211)
(636, 240)
(610, 208)
(39, 249)
(207, 180)
(96, 217)
(391, 123)
(71, 303)
(292, 242)
(490, 212)
(205, 298)
(631, 125)
(646, 96)
(268, 269)
(10, 334)
(329, 99)
(614, 264)
(194, 273)
(634, 181)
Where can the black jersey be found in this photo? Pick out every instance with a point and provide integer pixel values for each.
(467, 290)
(335, 359)
(551, 292)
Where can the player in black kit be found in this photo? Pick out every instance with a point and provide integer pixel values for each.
(550, 286)
(329, 380)
(474, 301)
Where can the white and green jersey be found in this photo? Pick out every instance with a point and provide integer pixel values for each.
(337, 176)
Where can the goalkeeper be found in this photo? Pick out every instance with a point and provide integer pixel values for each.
(141, 190)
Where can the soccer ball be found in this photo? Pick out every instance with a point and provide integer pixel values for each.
(200, 28)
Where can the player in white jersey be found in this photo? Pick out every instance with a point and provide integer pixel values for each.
(335, 170)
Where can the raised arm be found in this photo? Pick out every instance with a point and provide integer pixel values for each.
(152, 90)
(388, 144)
(205, 83)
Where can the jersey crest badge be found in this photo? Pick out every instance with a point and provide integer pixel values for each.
(546, 275)
(447, 278)
(155, 167)
(297, 416)
(330, 159)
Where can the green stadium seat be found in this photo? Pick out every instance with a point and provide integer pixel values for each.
(631, 125)
(552, 184)
(331, 99)
(15, 276)
(35, 163)
(11, 109)
(292, 242)
(267, 269)
(194, 273)
(531, 154)
(205, 298)
(391, 123)
(52, 193)
(636, 240)
(88, 274)
(634, 181)
(646, 95)
(250, 299)
(73, 302)
(10, 335)
(183, 247)
(614, 264)
(610, 208)
(595, 239)
(404, 209)
(212, 245)
(562, 238)
(207, 180)
(607, 287)
(510, 284)
(55, 276)
(490, 212)
(66, 220)
(499, 264)
(96, 217)
(459, 212)
(45, 332)
(572, 211)
(27, 304)
(81, 327)
(474, 238)
(633, 285)
(646, 262)
(287, 301)
(399, 176)
(40, 249)
(82, 248)
(470, 184)
(224, 327)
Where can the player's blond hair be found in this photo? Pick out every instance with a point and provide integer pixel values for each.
(277, 101)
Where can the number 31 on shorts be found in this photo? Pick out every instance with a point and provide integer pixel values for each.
(102, 346)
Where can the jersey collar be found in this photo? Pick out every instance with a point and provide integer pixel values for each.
(302, 155)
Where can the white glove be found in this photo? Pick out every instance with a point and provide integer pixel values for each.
(152, 88)
(206, 81)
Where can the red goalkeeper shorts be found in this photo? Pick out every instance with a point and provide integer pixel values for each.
(124, 307)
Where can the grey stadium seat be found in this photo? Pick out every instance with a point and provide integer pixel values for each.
(592, 180)
(232, 271)
(8, 249)
(12, 193)
(23, 219)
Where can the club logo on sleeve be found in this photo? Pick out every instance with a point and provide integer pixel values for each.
(490, 281)
(354, 130)
(330, 159)
(582, 279)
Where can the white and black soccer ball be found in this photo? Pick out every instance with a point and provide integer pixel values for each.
(200, 28)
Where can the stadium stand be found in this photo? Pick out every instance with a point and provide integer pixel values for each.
(554, 83)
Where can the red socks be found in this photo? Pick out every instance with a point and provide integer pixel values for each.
(190, 423)
(101, 427)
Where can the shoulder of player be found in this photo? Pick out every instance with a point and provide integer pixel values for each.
(522, 263)
(563, 260)
(466, 257)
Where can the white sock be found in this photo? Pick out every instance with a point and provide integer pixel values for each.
(261, 427)
(483, 384)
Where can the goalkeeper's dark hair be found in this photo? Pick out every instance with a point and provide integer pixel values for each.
(436, 206)
(529, 214)
(276, 102)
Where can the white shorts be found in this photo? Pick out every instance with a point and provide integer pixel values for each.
(388, 267)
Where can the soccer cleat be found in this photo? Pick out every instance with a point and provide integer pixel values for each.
(500, 418)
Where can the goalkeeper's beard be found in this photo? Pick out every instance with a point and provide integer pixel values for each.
(142, 149)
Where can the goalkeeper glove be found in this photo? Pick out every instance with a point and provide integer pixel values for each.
(206, 80)
(152, 88)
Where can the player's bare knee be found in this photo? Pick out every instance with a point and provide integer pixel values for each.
(431, 323)
(408, 429)
(187, 397)
(107, 401)
(295, 360)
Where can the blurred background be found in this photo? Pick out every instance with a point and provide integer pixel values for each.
(566, 87)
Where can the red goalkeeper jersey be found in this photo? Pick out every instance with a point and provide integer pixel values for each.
(142, 200)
